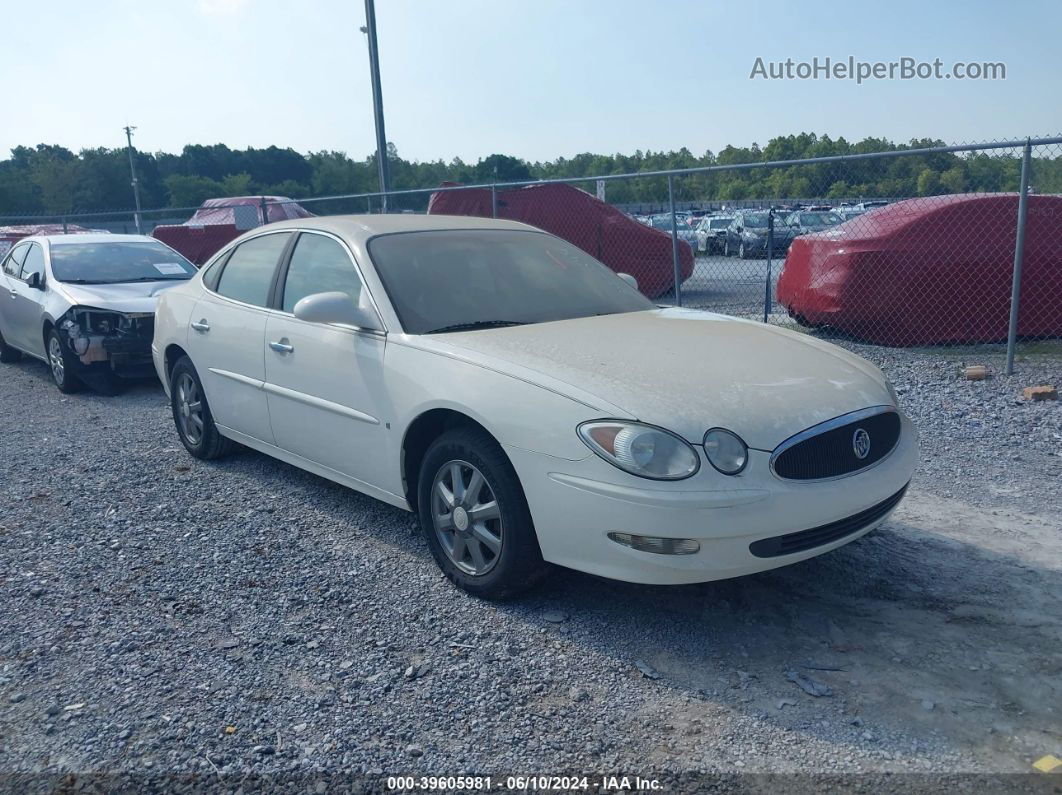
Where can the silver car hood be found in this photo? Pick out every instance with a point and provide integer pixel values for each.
(122, 297)
(686, 370)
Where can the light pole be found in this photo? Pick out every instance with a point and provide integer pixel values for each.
(377, 100)
(132, 171)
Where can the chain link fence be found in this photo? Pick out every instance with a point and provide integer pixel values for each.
(942, 246)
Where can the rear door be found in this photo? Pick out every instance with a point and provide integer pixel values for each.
(324, 383)
(226, 338)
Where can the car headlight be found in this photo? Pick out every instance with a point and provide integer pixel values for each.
(725, 451)
(642, 450)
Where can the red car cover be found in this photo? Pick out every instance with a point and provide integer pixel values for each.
(599, 229)
(217, 221)
(930, 271)
(9, 235)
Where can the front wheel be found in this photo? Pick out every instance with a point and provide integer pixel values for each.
(191, 414)
(475, 517)
(61, 365)
(742, 252)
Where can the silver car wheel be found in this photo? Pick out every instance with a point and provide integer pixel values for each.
(466, 517)
(55, 359)
(189, 409)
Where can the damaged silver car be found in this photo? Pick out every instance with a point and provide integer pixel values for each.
(85, 305)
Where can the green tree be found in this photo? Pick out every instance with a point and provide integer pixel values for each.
(191, 191)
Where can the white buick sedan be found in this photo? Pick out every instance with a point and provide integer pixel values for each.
(529, 405)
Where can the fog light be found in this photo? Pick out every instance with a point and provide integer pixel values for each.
(661, 546)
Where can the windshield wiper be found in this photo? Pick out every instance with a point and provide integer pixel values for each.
(174, 278)
(81, 281)
(476, 325)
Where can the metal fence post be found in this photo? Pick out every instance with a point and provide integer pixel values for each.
(64, 225)
(770, 256)
(1019, 255)
(262, 208)
(674, 239)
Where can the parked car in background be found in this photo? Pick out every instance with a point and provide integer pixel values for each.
(686, 233)
(848, 213)
(599, 229)
(746, 236)
(711, 233)
(507, 387)
(9, 235)
(930, 270)
(218, 221)
(85, 304)
(804, 222)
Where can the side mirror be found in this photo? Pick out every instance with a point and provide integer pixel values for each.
(338, 308)
(629, 279)
(34, 281)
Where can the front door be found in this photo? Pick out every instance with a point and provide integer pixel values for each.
(324, 383)
(24, 304)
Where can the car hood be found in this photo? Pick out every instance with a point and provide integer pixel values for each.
(123, 297)
(687, 370)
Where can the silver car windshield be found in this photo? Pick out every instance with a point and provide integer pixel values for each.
(116, 262)
(466, 279)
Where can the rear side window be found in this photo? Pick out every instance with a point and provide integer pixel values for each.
(248, 273)
(319, 265)
(13, 264)
(34, 262)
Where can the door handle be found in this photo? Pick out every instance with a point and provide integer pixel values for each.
(202, 326)
(282, 347)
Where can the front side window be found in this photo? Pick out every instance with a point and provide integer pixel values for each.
(249, 270)
(13, 263)
(475, 278)
(117, 262)
(319, 264)
(34, 263)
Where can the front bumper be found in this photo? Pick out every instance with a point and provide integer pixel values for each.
(576, 504)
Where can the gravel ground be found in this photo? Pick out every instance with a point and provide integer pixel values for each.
(165, 615)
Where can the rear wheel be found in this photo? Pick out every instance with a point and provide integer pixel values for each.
(60, 362)
(742, 253)
(475, 517)
(191, 414)
(7, 353)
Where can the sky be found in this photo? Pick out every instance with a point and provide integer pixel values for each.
(537, 79)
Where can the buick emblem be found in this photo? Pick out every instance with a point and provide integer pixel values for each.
(861, 443)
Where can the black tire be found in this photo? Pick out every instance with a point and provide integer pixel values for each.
(208, 444)
(518, 565)
(60, 362)
(742, 252)
(8, 354)
(726, 248)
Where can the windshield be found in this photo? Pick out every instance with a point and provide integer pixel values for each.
(437, 280)
(819, 219)
(113, 262)
(757, 221)
(719, 223)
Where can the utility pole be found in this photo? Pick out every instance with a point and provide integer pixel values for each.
(132, 171)
(377, 100)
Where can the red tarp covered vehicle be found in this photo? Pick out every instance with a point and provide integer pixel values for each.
(9, 235)
(599, 229)
(217, 221)
(930, 271)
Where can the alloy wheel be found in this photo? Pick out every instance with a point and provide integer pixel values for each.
(466, 517)
(55, 360)
(189, 409)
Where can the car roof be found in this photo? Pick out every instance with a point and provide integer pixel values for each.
(59, 240)
(363, 227)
